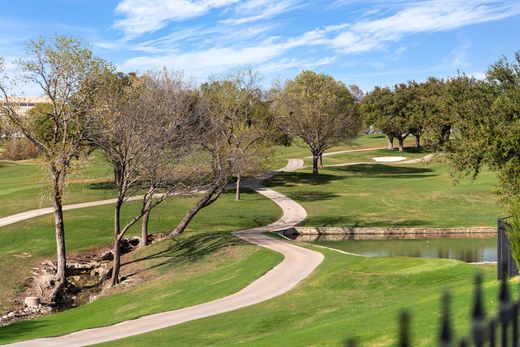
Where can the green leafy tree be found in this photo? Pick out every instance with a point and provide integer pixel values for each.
(319, 110)
(486, 124)
(434, 113)
(378, 110)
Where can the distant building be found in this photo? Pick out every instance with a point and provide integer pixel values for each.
(25, 103)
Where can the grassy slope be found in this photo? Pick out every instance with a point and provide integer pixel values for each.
(174, 274)
(25, 243)
(24, 185)
(347, 297)
(415, 195)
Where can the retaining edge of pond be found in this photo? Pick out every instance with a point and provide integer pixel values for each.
(378, 233)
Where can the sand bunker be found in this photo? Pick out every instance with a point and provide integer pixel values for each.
(388, 159)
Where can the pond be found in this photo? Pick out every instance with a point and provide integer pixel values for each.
(470, 250)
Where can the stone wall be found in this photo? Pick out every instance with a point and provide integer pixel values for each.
(354, 233)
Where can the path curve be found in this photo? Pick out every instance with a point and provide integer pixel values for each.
(298, 263)
(326, 154)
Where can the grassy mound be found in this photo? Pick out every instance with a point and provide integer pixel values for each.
(346, 297)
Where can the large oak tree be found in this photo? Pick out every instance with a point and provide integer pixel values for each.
(320, 111)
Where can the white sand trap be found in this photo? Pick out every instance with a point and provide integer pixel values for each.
(388, 159)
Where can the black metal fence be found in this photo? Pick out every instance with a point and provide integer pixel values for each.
(500, 329)
(506, 266)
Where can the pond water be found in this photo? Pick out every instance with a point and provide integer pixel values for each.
(465, 249)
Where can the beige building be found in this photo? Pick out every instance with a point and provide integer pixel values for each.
(27, 102)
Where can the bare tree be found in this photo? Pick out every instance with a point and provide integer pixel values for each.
(66, 72)
(176, 133)
(239, 123)
(319, 110)
(142, 125)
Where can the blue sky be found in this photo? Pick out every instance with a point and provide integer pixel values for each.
(371, 42)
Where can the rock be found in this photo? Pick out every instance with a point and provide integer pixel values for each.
(32, 301)
(134, 241)
(107, 256)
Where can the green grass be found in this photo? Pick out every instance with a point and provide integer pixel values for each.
(172, 274)
(25, 243)
(24, 184)
(418, 195)
(346, 297)
(366, 156)
(299, 150)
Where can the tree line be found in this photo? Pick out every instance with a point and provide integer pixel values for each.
(163, 135)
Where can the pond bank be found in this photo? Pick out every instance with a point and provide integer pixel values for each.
(377, 233)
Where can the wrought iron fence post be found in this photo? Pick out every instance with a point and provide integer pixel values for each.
(404, 329)
(492, 332)
(514, 320)
(504, 310)
(478, 329)
(446, 333)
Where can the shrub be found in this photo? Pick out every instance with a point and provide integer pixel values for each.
(18, 149)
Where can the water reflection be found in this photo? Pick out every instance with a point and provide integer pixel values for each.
(465, 249)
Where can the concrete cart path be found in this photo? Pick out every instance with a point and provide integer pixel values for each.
(298, 263)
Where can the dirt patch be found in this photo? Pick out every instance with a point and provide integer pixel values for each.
(88, 273)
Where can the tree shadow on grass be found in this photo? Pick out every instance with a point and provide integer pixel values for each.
(101, 186)
(17, 331)
(386, 171)
(186, 250)
(309, 196)
(291, 179)
(411, 150)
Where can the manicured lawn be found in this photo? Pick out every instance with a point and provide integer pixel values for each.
(414, 195)
(366, 156)
(25, 243)
(346, 297)
(24, 184)
(299, 150)
(172, 274)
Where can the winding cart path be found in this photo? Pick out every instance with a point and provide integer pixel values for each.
(298, 263)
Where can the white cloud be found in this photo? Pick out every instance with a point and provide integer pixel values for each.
(425, 16)
(142, 16)
(286, 64)
(201, 64)
(254, 10)
(203, 51)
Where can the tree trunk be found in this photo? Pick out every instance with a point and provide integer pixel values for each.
(390, 142)
(148, 199)
(203, 202)
(59, 229)
(315, 159)
(237, 193)
(417, 141)
(401, 144)
(321, 161)
(117, 262)
(117, 174)
(117, 248)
